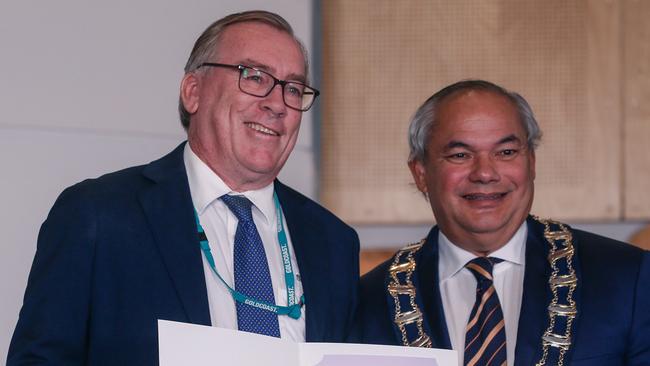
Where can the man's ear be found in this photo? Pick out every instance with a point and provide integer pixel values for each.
(419, 172)
(190, 92)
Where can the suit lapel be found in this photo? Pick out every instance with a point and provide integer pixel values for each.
(169, 210)
(310, 251)
(536, 296)
(430, 291)
(535, 299)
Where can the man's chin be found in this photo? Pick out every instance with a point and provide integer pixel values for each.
(486, 224)
(491, 224)
(263, 172)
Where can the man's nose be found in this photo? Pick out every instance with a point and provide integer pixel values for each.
(274, 102)
(484, 170)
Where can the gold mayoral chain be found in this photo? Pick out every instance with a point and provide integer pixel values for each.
(562, 310)
(409, 319)
(563, 281)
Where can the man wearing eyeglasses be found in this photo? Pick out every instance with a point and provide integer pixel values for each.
(206, 234)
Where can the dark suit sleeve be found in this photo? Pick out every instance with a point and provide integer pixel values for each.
(52, 325)
(372, 323)
(638, 352)
(353, 274)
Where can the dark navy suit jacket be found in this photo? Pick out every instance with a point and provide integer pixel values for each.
(119, 252)
(613, 323)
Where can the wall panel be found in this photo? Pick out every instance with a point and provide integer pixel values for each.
(636, 104)
(382, 59)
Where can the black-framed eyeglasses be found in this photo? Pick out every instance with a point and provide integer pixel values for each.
(259, 83)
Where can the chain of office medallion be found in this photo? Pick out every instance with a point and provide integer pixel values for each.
(560, 257)
(404, 264)
(560, 252)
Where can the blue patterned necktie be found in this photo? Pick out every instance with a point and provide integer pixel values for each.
(252, 277)
(485, 336)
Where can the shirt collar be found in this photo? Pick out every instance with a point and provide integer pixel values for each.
(453, 258)
(206, 187)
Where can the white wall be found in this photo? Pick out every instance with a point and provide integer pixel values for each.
(88, 87)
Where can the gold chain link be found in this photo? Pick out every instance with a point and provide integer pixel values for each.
(404, 264)
(560, 250)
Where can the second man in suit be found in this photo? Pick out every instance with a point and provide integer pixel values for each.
(490, 281)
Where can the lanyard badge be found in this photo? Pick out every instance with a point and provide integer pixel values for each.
(293, 309)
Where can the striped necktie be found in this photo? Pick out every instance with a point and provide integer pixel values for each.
(485, 336)
(251, 269)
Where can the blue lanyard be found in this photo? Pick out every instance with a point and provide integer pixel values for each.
(293, 308)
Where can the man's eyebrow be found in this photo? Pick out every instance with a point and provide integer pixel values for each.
(252, 63)
(297, 77)
(453, 144)
(256, 64)
(509, 139)
(457, 144)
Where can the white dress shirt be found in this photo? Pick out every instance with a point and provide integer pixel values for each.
(458, 287)
(220, 225)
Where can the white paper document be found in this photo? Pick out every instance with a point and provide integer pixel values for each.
(184, 344)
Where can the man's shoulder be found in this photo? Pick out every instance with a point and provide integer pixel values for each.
(589, 241)
(374, 282)
(114, 184)
(117, 186)
(597, 251)
(425, 256)
(603, 251)
(109, 193)
(589, 238)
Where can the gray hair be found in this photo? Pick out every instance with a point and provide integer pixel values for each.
(206, 45)
(424, 119)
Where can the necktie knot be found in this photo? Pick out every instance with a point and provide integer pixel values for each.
(481, 267)
(240, 207)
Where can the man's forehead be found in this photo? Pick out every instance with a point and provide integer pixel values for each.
(262, 46)
(477, 99)
(478, 116)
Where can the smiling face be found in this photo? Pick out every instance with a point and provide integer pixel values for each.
(244, 139)
(478, 172)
